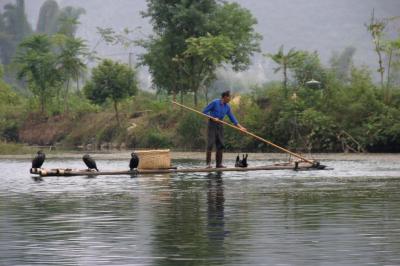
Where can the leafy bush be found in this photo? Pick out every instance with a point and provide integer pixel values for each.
(383, 131)
(191, 131)
(11, 111)
(9, 130)
(155, 139)
(80, 106)
(319, 129)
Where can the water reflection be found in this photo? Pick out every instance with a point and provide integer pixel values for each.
(215, 210)
(189, 224)
(178, 224)
(200, 219)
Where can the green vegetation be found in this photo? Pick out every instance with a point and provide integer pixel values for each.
(193, 38)
(111, 80)
(316, 107)
(13, 148)
(11, 106)
(37, 64)
(384, 48)
(285, 62)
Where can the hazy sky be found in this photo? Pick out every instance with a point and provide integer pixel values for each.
(322, 25)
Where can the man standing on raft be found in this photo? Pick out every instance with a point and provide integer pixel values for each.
(218, 108)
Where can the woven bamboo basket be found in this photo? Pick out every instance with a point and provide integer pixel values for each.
(154, 159)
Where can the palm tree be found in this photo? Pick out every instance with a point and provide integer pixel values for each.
(376, 28)
(71, 62)
(37, 64)
(285, 62)
(68, 20)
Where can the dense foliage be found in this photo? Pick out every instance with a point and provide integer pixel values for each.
(314, 107)
(46, 63)
(111, 81)
(193, 38)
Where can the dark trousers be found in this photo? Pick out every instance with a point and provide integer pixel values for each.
(215, 135)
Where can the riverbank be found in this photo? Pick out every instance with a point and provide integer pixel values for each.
(149, 123)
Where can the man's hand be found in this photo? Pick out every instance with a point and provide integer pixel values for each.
(214, 119)
(241, 128)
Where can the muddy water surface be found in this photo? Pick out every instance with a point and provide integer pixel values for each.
(346, 216)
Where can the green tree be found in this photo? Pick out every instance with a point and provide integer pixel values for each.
(70, 60)
(178, 23)
(37, 64)
(307, 66)
(68, 20)
(383, 131)
(113, 81)
(163, 67)
(376, 28)
(392, 50)
(285, 62)
(384, 47)
(238, 24)
(10, 111)
(210, 51)
(174, 22)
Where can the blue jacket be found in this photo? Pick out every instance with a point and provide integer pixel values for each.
(218, 109)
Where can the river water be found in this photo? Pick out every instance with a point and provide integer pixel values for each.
(346, 216)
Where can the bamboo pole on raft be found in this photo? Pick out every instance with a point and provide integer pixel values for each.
(248, 133)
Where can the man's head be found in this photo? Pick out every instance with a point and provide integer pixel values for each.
(226, 96)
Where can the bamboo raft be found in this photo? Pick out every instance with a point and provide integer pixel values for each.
(85, 172)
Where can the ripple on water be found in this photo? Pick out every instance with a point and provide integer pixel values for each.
(345, 216)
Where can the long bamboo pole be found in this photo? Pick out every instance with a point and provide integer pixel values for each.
(248, 133)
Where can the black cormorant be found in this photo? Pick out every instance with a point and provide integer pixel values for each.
(38, 161)
(244, 161)
(133, 164)
(241, 163)
(90, 163)
(237, 163)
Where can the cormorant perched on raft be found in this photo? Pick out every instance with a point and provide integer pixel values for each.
(90, 163)
(241, 163)
(133, 164)
(38, 161)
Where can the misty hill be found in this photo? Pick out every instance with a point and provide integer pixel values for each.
(322, 25)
